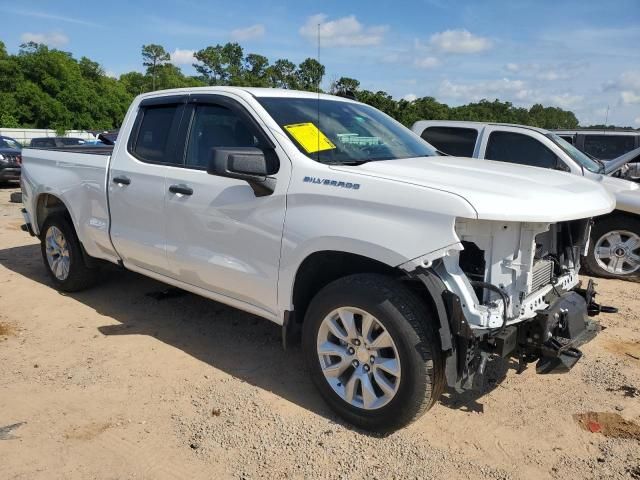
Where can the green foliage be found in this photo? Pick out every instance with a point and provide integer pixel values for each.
(154, 56)
(309, 74)
(344, 85)
(47, 88)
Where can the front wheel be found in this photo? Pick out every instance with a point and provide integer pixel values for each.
(372, 351)
(62, 256)
(614, 249)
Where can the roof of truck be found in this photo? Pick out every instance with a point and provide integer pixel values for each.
(597, 131)
(253, 91)
(477, 125)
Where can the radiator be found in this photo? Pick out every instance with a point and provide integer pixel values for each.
(541, 275)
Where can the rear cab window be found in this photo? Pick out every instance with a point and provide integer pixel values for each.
(156, 132)
(456, 141)
(607, 147)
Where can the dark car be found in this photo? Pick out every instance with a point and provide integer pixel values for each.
(56, 142)
(10, 159)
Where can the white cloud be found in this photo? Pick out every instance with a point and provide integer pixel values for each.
(506, 89)
(551, 75)
(53, 39)
(546, 72)
(410, 97)
(342, 32)
(563, 100)
(253, 31)
(628, 86)
(459, 41)
(111, 74)
(480, 90)
(637, 120)
(182, 57)
(426, 62)
(629, 97)
(630, 80)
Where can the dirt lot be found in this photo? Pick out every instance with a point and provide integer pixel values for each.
(111, 384)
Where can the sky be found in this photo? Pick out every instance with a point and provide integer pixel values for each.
(579, 55)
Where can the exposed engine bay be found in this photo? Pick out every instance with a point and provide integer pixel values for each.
(511, 266)
(512, 290)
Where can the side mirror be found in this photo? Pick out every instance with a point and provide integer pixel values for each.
(250, 164)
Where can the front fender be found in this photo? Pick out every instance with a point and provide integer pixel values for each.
(628, 201)
(389, 234)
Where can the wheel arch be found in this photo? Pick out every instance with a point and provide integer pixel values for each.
(617, 214)
(48, 204)
(322, 267)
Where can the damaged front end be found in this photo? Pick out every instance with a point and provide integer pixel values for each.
(511, 289)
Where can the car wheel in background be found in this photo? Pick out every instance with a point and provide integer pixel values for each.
(614, 248)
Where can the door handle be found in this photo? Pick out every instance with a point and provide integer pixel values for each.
(122, 180)
(181, 189)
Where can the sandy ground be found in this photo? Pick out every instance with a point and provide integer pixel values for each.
(112, 384)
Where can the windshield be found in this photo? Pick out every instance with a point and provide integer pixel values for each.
(333, 131)
(581, 158)
(6, 142)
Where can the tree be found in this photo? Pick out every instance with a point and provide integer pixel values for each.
(256, 70)
(282, 74)
(344, 85)
(42, 87)
(425, 108)
(221, 64)
(134, 83)
(380, 100)
(152, 56)
(309, 74)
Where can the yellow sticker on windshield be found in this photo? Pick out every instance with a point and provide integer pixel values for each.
(308, 135)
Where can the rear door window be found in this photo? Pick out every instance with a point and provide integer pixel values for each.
(155, 133)
(606, 147)
(459, 142)
(521, 149)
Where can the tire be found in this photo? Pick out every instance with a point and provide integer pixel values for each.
(78, 275)
(602, 240)
(416, 346)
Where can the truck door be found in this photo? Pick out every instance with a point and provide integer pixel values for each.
(221, 237)
(137, 184)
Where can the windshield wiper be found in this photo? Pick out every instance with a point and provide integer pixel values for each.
(350, 162)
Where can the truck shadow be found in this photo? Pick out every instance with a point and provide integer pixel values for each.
(238, 343)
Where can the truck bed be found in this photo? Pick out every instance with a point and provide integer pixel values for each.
(78, 177)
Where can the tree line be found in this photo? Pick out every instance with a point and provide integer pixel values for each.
(41, 87)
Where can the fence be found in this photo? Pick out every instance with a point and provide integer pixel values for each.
(24, 135)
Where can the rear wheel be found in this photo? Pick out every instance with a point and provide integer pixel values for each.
(614, 249)
(62, 255)
(372, 351)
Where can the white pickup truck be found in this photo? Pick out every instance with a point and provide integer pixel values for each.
(614, 249)
(403, 270)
